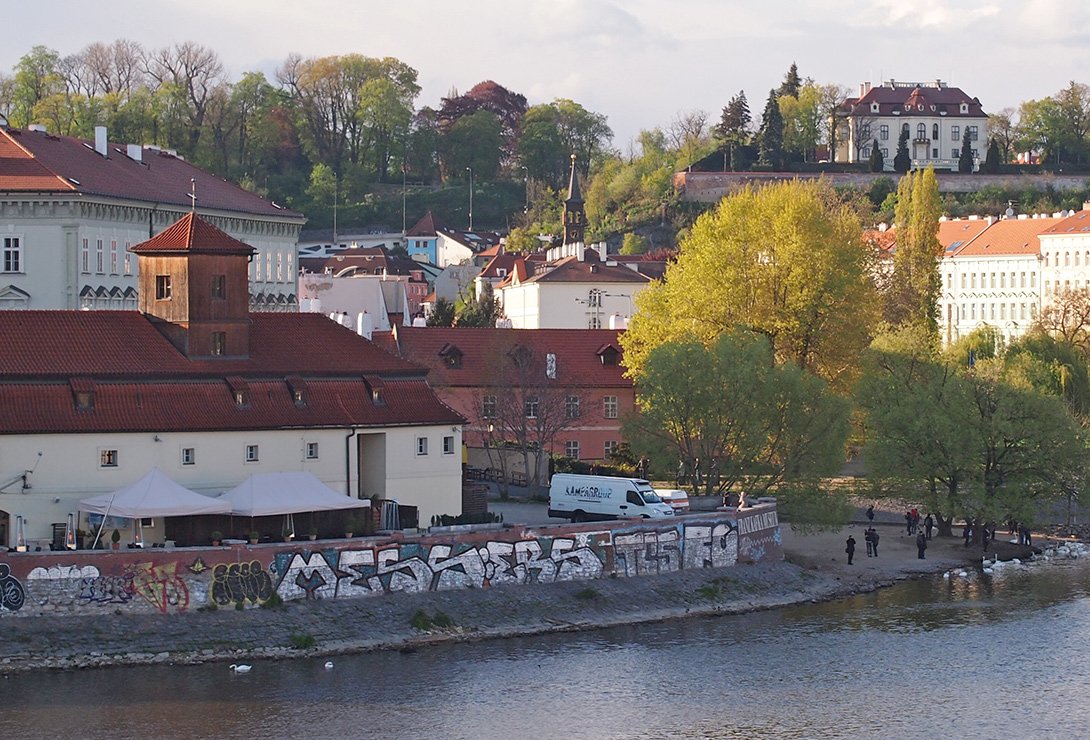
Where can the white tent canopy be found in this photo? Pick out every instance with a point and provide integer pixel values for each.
(154, 495)
(263, 494)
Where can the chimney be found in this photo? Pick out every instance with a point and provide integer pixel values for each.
(101, 144)
(1086, 205)
(135, 152)
(600, 247)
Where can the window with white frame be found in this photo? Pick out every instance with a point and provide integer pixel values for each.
(114, 261)
(571, 407)
(448, 444)
(955, 133)
(609, 407)
(107, 458)
(128, 259)
(421, 445)
(85, 258)
(488, 407)
(571, 449)
(609, 447)
(12, 257)
(974, 133)
(883, 132)
(100, 257)
(189, 456)
(251, 453)
(312, 450)
(532, 406)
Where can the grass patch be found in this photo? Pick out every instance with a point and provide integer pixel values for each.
(442, 620)
(587, 594)
(423, 621)
(301, 641)
(709, 591)
(273, 602)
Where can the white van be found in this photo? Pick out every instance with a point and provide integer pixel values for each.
(589, 498)
(675, 498)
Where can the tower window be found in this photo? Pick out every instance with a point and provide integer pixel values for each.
(162, 287)
(219, 343)
(219, 286)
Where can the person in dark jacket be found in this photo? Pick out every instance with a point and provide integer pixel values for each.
(870, 513)
(870, 543)
(921, 545)
(874, 540)
(928, 525)
(850, 548)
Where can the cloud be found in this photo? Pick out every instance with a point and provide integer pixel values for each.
(943, 15)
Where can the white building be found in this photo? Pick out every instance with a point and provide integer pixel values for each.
(992, 275)
(935, 115)
(1065, 254)
(575, 288)
(209, 392)
(70, 210)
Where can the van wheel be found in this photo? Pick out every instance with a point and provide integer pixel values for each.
(578, 516)
(644, 516)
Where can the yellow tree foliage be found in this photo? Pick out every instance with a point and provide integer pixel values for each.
(913, 298)
(787, 261)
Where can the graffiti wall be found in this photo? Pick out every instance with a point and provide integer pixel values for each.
(170, 581)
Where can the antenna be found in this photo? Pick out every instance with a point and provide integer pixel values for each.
(192, 195)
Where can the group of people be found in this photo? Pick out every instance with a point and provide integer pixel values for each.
(870, 536)
(912, 523)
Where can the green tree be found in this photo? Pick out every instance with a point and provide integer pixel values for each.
(442, 314)
(481, 312)
(803, 121)
(791, 84)
(756, 423)
(965, 156)
(991, 162)
(770, 135)
(634, 244)
(787, 261)
(901, 160)
(733, 129)
(473, 141)
(521, 241)
(877, 162)
(552, 132)
(37, 77)
(914, 290)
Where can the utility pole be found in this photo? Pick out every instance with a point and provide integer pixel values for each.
(470, 171)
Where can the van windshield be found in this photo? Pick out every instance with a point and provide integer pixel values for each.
(650, 497)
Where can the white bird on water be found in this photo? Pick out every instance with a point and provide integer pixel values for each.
(329, 665)
(240, 668)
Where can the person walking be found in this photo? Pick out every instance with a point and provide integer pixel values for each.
(870, 542)
(870, 514)
(850, 548)
(928, 524)
(921, 545)
(908, 522)
(967, 533)
(874, 540)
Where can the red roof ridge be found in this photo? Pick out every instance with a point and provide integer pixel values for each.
(191, 233)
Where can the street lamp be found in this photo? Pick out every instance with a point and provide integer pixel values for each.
(526, 187)
(470, 171)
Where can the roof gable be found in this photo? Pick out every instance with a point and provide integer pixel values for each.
(192, 234)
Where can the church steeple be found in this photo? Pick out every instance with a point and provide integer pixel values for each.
(575, 218)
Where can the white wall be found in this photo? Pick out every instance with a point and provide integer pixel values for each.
(565, 305)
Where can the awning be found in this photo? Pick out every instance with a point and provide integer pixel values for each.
(263, 494)
(154, 495)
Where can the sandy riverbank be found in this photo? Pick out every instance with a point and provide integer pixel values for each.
(816, 570)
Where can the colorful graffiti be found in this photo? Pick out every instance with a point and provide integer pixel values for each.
(166, 581)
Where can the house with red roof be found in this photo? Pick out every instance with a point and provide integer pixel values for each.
(70, 209)
(564, 387)
(208, 391)
(429, 240)
(935, 116)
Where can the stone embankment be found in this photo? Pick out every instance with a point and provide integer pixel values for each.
(816, 570)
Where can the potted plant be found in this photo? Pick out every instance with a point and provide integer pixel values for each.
(81, 538)
(312, 533)
(115, 538)
(216, 537)
(254, 537)
(351, 527)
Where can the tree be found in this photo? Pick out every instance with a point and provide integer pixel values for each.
(787, 261)
(914, 291)
(1003, 130)
(552, 132)
(193, 73)
(803, 121)
(877, 163)
(37, 77)
(991, 163)
(729, 405)
(1058, 125)
(634, 244)
(481, 312)
(520, 241)
(509, 107)
(965, 156)
(791, 84)
(901, 160)
(528, 406)
(733, 126)
(770, 135)
(1067, 317)
(442, 314)
(473, 141)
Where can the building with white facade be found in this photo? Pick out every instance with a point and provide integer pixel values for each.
(935, 115)
(994, 278)
(1065, 255)
(209, 392)
(70, 209)
(430, 241)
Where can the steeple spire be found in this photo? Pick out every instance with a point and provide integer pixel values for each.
(575, 217)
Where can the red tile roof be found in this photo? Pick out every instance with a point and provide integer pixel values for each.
(426, 226)
(572, 270)
(1011, 236)
(1076, 223)
(191, 233)
(578, 353)
(935, 101)
(141, 383)
(32, 161)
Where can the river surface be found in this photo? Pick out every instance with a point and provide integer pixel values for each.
(985, 658)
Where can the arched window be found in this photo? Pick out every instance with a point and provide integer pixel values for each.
(904, 127)
(935, 131)
(921, 130)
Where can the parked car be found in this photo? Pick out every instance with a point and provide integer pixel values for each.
(675, 498)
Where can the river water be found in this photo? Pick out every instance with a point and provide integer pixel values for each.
(980, 658)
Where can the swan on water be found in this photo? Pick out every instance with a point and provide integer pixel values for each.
(240, 668)
(329, 665)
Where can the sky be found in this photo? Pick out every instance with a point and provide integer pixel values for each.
(638, 62)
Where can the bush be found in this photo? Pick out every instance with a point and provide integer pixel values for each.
(420, 621)
(587, 594)
(301, 641)
(449, 520)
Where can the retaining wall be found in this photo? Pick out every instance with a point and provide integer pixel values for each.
(171, 581)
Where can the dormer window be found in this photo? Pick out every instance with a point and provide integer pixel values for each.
(609, 355)
(874, 107)
(452, 356)
(375, 386)
(240, 391)
(964, 107)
